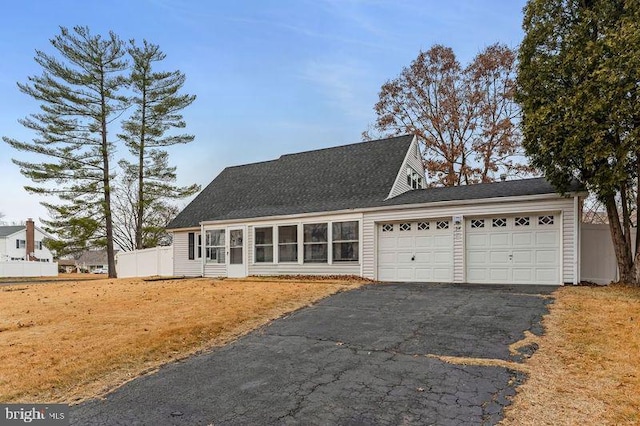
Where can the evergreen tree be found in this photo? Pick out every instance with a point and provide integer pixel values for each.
(79, 92)
(158, 102)
(579, 87)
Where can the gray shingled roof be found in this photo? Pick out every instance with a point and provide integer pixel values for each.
(344, 177)
(5, 231)
(508, 188)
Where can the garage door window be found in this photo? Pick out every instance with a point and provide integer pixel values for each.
(423, 226)
(500, 222)
(545, 220)
(345, 241)
(387, 227)
(315, 243)
(477, 223)
(442, 224)
(522, 221)
(405, 227)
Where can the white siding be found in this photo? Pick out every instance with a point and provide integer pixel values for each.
(565, 206)
(182, 266)
(412, 159)
(8, 248)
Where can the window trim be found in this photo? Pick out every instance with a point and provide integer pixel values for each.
(316, 243)
(220, 260)
(295, 243)
(356, 242)
(256, 245)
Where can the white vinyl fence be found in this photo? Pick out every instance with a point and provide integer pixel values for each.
(598, 258)
(21, 268)
(145, 263)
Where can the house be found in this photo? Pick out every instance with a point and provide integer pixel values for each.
(24, 243)
(363, 209)
(92, 260)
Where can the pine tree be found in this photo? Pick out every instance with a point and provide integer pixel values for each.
(79, 92)
(158, 103)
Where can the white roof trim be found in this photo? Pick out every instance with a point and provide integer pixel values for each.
(434, 204)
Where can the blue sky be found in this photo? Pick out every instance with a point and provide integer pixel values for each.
(272, 76)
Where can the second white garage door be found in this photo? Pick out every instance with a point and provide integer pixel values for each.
(419, 251)
(522, 249)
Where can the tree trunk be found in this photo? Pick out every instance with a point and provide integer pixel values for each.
(143, 123)
(111, 258)
(622, 250)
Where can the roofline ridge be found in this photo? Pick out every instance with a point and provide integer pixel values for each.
(349, 144)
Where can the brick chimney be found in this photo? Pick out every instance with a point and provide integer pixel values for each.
(31, 240)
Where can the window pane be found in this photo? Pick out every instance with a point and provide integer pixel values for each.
(345, 231)
(288, 234)
(215, 238)
(264, 235)
(215, 254)
(264, 254)
(345, 252)
(315, 233)
(235, 257)
(315, 253)
(288, 252)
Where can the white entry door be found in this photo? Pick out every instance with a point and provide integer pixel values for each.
(236, 255)
(420, 251)
(522, 249)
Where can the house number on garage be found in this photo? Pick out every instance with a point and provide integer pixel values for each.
(457, 228)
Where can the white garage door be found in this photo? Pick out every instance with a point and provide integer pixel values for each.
(416, 251)
(521, 249)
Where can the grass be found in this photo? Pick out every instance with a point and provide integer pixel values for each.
(587, 369)
(68, 341)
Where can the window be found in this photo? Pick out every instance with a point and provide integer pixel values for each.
(442, 224)
(264, 244)
(192, 244)
(315, 243)
(500, 222)
(405, 227)
(20, 244)
(345, 241)
(477, 223)
(38, 245)
(288, 243)
(545, 220)
(414, 180)
(423, 226)
(387, 227)
(214, 246)
(522, 221)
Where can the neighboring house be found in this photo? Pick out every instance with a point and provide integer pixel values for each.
(67, 266)
(91, 260)
(24, 243)
(361, 209)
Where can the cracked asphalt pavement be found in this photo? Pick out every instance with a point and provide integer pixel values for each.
(355, 358)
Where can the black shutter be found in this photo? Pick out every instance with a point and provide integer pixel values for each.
(17, 243)
(192, 243)
(199, 246)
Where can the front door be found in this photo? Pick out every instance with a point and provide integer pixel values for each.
(236, 255)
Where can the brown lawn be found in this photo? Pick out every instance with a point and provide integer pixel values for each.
(587, 369)
(67, 341)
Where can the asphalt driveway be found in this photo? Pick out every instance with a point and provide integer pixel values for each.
(354, 358)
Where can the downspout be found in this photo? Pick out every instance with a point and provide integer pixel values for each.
(576, 239)
(202, 250)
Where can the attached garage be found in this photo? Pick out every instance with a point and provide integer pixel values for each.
(416, 251)
(519, 249)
